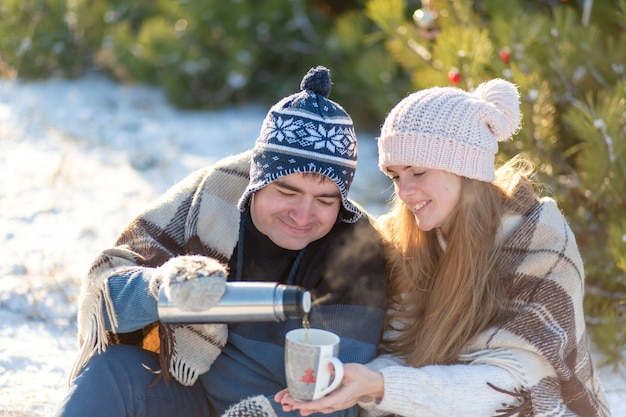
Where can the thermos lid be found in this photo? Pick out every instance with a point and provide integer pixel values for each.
(296, 301)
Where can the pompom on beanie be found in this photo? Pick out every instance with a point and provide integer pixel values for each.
(449, 129)
(306, 132)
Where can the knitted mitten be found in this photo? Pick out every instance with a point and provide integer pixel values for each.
(258, 406)
(192, 282)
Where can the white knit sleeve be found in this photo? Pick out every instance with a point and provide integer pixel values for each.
(383, 361)
(433, 391)
(450, 390)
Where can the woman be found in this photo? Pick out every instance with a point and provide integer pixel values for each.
(487, 283)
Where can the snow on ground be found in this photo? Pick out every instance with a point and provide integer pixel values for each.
(78, 159)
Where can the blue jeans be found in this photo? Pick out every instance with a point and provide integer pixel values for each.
(116, 384)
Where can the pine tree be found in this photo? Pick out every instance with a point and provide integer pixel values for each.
(567, 57)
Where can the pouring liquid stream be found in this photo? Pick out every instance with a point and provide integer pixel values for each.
(306, 325)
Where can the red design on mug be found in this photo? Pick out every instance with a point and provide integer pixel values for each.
(308, 377)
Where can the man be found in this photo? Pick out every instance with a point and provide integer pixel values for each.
(280, 213)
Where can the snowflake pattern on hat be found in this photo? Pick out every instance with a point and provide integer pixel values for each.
(335, 140)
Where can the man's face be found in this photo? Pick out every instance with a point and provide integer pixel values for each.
(296, 209)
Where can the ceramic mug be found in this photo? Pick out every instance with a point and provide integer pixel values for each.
(307, 360)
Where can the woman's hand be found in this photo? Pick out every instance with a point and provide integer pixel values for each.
(358, 384)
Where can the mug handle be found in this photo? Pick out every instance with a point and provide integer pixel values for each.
(336, 381)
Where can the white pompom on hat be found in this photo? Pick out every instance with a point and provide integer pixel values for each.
(449, 129)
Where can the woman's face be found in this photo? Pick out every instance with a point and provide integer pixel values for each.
(430, 194)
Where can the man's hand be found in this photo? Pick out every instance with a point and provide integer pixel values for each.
(192, 282)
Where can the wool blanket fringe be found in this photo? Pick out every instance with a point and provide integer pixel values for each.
(95, 338)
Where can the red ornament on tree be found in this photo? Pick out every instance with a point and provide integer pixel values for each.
(505, 55)
(454, 76)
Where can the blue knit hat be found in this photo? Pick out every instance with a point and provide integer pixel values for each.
(306, 132)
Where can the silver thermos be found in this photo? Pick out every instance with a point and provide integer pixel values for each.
(244, 301)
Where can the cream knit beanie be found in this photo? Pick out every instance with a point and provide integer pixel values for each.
(452, 130)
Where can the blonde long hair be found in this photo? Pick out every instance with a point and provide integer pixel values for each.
(443, 298)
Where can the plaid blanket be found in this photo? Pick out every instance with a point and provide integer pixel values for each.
(198, 216)
(545, 317)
